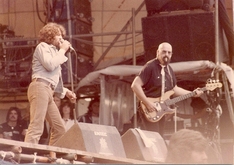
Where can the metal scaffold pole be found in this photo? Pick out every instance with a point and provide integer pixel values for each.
(134, 63)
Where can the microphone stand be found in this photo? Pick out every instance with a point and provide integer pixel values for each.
(68, 14)
(72, 82)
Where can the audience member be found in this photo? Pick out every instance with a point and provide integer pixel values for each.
(187, 147)
(66, 110)
(92, 116)
(13, 128)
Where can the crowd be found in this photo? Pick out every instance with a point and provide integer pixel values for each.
(15, 127)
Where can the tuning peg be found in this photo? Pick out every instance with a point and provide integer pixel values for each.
(208, 80)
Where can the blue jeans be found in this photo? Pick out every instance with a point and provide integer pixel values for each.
(42, 106)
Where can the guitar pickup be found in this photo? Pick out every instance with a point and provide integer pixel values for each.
(158, 107)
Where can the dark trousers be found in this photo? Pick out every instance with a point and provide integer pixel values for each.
(150, 126)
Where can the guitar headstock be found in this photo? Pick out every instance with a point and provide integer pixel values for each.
(213, 84)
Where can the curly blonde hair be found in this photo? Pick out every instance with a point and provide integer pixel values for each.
(49, 31)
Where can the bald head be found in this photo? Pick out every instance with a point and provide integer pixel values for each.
(164, 53)
(165, 45)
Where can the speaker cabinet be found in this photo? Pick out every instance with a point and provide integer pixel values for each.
(144, 145)
(82, 10)
(83, 44)
(94, 138)
(191, 34)
(156, 6)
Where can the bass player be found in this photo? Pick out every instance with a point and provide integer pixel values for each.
(154, 81)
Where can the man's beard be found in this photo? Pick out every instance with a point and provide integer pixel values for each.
(166, 60)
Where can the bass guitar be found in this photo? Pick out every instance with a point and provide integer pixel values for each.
(165, 106)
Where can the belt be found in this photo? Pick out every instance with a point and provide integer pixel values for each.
(44, 81)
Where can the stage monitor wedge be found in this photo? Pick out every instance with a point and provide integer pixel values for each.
(95, 138)
(144, 145)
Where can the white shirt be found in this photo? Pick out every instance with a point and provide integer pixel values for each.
(68, 123)
(95, 120)
(46, 64)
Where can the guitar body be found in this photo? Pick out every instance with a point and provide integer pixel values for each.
(162, 108)
(163, 103)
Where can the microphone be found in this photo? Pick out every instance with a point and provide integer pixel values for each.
(71, 48)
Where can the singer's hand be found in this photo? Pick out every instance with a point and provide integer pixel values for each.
(71, 96)
(65, 45)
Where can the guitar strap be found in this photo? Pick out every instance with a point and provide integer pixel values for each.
(163, 81)
(163, 73)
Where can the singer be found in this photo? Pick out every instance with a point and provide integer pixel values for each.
(46, 82)
(154, 80)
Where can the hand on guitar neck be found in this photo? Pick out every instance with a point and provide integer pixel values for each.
(198, 92)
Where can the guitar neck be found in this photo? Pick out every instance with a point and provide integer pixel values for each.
(181, 98)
